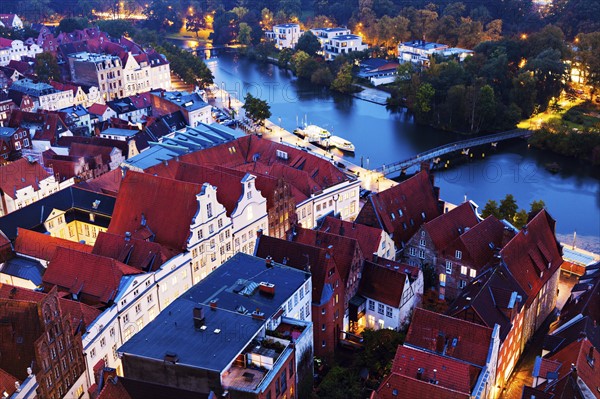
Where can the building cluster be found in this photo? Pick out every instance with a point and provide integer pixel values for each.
(148, 252)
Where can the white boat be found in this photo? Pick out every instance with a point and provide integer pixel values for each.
(339, 143)
(313, 133)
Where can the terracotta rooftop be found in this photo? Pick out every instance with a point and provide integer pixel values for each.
(368, 237)
(450, 225)
(382, 284)
(397, 386)
(141, 206)
(43, 246)
(20, 174)
(140, 254)
(450, 336)
(7, 383)
(450, 373)
(78, 311)
(586, 360)
(107, 183)
(81, 273)
(97, 109)
(402, 209)
(534, 254)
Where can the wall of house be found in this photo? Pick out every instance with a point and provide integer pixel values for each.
(56, 101)
(16, 281)
(160, 77)
(249, 216)
(29, 195)
(202, 115)
(342, 198)
(510, 350)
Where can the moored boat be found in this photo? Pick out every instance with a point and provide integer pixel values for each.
(339, 143)
(313, 133)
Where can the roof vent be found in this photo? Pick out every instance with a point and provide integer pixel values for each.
(258, 315)
(198, 314)
(269, 261)
(420, 373)
(217, 331)
(171, 357)
(213, 304)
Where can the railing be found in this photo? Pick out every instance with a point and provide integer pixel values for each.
(449, 148)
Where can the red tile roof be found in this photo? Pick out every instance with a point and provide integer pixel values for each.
(382, 284)
(108, 183)
(412, 203)
(450, 225)
(578, 353)
(299, 256)
(20, 174)
(97, 109)
(397, 386)
(89, 150)
(368, 237)
(7, 383)
(150, 196)
(81, 273)
(533, 255)
(344, 249)
(450, 373)
(437, 332)
(140, 254)
(43, 246)
(77, 310)
(475, 243)
(113, 390)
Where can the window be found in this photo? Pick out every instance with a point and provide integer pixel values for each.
(301, 313)
(463, 270)
(25, 142)
(126, 318)
(323, 344)
(200, 235)
(448, 267)
(93, 353)
(138, 308)
(211, 229)
(114, 352)
(112, 332)
(462, 284)
(380, 308)
(473, 273)
(371, 305)
(209, 210)
(149, 298)
(458, 255)
(421, 254)
(220, 223)
(307, 309)
(140, 323)
(422, 242)
(102, 342)
(296, 299)
(442, 280)
(412, 251)
(301, 294)
(422, 233)
(388, 311)
(290, 305)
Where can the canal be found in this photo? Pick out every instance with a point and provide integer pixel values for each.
(572, 196)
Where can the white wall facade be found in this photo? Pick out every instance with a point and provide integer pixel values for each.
(17, 50)
(249, 216)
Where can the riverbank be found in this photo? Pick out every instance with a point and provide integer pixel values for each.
(370, 180)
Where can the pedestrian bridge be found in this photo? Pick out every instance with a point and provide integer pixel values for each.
(464, 146)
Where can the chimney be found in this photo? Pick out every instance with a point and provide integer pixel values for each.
(198, 315)
(213, 304)
(574, 371)
(127, 236)
(266, 288)
(259, 233)
(258, 315)
(375, 257)
(269, 261)
(420, 373)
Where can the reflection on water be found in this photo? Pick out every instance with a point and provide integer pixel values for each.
(572, 196)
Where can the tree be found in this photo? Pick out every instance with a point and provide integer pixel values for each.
(491, 209)
(520, 219)
(340, 383)
(162, 15)
(508, 207)
(303, 65)
(322, 77)
(46, 67)
(256, 109)
(308, 43)
(245, 34)
(379, 349)
(68, 25)
(536, 206)
(343, 80)
(284, 58)
(423, 100)
(589, 52)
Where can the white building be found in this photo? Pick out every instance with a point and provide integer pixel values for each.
(23, 182)
(136, 76)
(11, 21)
(101, 70)
(285, 35)
(44, 95)
(326, 34)
(14, 50)
(418, 52)
(343, 44)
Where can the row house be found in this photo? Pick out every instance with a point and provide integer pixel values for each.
(25, 181)
(44, 127)
(443, 357)
(570, 373)
(100, 113)
(44, 95)
(83, 95)
(82, 168)
(6, 107)
(100, 70)
(113, 151)
(15, 50)
(518, 293)
(326, 296)
(78, 120)
(401, 210)
(13, 141)
(265, 360)
(387, 296)
(372, 241)
(343, 44)
(41, 342)
(136, 75)
(135, 109)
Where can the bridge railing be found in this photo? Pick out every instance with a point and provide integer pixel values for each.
(450, 147)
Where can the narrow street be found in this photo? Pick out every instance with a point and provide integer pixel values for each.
(522, 374)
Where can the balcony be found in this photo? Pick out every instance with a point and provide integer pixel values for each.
(251, 367)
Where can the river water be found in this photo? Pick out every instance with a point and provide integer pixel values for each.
(572, 196)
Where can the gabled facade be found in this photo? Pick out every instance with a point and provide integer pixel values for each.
(14, 50)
